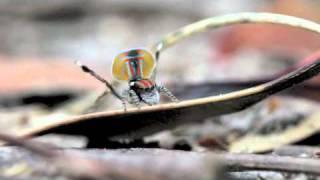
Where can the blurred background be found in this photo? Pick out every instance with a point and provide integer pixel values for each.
(41, 39)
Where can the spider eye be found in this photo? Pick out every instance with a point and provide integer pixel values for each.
(132, 83)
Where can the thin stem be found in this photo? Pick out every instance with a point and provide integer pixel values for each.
(270, 163)
(231, 19)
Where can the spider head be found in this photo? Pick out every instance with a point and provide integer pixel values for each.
(146, 90)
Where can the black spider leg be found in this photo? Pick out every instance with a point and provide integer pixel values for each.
(165, 91)
(101, 79)
(140, 99)
(158, 49)
(157, 55)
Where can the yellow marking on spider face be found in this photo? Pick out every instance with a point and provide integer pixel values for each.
(119, 67)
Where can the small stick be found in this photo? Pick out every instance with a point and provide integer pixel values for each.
(270, 163)
(227, 20)
(232, 19)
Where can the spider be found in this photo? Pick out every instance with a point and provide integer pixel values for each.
(136, 67)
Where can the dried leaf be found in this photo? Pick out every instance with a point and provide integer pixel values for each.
(137, 123)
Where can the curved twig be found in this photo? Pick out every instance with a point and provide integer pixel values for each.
(232, 19)
(227, 20)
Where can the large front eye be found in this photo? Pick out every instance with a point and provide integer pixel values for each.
(132, 84)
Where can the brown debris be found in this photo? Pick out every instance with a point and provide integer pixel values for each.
(102, 164)
(26, 74)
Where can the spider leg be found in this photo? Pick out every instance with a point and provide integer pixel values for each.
(101, 79)
(134, 98)
(101, 96)
(157, 55)
(157, 51)
(165, 91)
(124, 105)
(96, 102)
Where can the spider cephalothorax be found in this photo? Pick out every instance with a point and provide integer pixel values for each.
(143, 90)
(136, 67)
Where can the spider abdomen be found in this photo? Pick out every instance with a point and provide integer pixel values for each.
(133, 65)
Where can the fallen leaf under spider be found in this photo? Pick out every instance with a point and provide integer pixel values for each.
(136, 123)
